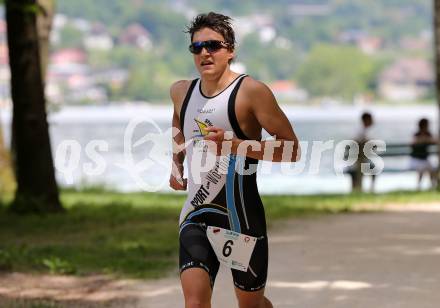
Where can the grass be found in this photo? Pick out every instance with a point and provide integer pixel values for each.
(135, 235)
(28, 303)
(129, 235)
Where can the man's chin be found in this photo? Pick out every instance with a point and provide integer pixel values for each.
(208, 73)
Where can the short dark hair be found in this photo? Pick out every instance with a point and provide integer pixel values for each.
(215, 21)
(423, 123)
(366, 116)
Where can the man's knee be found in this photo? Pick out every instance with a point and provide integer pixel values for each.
(195, 302)
(251, 304)
(254, 302)
(197, 298)
(196, 288)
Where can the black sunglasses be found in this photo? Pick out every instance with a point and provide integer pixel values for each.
(211, 46)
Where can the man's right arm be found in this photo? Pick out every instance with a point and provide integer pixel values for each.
(177, 93)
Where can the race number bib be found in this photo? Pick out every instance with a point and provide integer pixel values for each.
(233, 249)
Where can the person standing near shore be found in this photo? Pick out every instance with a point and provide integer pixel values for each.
(362, 137)
(223, 219)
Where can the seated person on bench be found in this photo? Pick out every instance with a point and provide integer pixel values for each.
(419, 153)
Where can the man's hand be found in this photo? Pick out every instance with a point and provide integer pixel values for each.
(177, 182)
(218, 136)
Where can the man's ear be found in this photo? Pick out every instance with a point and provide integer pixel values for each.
(232, 55)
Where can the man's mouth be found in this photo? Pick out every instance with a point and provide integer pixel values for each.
(206, 63)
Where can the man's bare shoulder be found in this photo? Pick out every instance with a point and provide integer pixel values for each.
(178, 91)
(253, 88)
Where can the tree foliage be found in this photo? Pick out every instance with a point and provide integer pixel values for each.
(388, 20)
(337, 71)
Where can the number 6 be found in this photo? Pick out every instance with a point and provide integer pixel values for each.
(227, 250)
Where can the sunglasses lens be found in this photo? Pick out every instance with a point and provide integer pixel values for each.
(196, 47)
(211, 46)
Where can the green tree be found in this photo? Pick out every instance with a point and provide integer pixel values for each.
(266, 61)
(149, 82)
(70, 37)
(150, 73)
(337, 71)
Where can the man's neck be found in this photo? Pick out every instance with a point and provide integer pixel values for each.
(211, 87)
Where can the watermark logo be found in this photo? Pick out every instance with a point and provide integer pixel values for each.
(68, 157)
(156, 157)
(151, 169)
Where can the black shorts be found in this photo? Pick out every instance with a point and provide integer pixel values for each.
(196, 251)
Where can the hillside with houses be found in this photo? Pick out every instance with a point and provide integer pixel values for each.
(117, 51)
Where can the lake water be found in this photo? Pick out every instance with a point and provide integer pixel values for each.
(89, 147)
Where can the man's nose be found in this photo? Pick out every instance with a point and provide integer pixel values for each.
(204, 51)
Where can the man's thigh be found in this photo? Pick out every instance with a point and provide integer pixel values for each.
(255, 277)
(195, 251)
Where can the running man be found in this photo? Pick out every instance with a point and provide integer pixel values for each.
(223, 220)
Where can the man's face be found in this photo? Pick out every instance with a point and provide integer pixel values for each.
(211, 64)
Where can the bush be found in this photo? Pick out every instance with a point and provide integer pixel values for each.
(59, 266)
(5, 261)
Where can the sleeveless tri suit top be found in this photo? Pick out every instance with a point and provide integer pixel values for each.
(225, 194)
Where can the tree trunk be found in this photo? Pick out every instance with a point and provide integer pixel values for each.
(44, 27)
(437, 68)
(36, 186)
(7, 182)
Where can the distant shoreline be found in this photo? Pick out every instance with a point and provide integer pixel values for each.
(125, 112)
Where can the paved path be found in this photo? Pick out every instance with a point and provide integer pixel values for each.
(381, 259)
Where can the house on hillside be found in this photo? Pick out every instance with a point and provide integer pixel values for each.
(115, 78)
(5, 73)
(4, 56)
(288, 91)
(98, 38)
(415, 43)
(70, 79)
(370, 44)
(137, 36)
(310, 9)
(68, 56)
(406, 79)
(351, 36)
(367, 43)
(248, 24)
